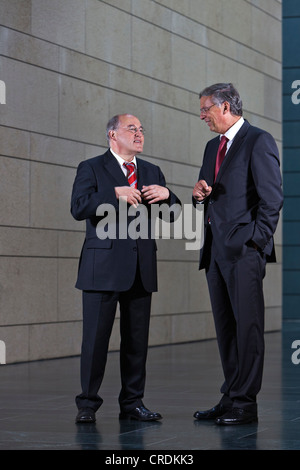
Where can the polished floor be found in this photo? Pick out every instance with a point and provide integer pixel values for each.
(38, 410)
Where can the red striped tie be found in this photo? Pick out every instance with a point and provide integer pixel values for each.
(132, 180)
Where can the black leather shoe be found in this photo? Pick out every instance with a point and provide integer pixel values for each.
(212, 413)
(141, 413)
(237, 416)
(86, 415)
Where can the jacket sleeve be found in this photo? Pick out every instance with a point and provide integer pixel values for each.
(86, 195)
(173, 201)
(266, 174)
(203, 176)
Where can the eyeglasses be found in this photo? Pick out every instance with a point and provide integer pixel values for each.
(204, 110)
(134, 129)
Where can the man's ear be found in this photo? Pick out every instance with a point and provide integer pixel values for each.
(226, 107)
(112, 135)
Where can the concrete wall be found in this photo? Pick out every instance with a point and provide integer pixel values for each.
(68, 66)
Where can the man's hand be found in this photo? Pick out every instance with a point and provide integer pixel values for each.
(155, 193)
(131, 195)
(201, 190)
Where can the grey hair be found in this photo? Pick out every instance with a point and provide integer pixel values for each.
(221, 92)
(112, 124)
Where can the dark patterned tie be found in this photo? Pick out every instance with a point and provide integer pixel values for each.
(221, 154)
(132, 180)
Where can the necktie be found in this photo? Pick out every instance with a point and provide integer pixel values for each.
(221, 154)
(132, 180)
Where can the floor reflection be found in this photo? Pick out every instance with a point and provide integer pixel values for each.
(38, 408)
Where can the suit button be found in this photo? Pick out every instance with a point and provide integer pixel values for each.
(211, 201)
(134, 248)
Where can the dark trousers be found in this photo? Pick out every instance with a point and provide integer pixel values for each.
(99, 309)
(236, 292)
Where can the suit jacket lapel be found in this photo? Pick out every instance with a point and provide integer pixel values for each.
(141, 173)
(212, 160)
(113, 167)
(233, 150)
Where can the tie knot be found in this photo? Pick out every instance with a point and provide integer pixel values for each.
(129, 165)
(131, 174)
(224, 140)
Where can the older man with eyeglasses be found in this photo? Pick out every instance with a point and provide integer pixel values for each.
(240, 187)
(117, 269)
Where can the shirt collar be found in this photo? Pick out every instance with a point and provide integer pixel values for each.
(121, 160)
(233, 130)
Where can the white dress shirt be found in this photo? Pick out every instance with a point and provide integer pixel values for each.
(120, 160)
(232, 131)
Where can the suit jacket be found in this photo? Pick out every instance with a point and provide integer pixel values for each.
(246, 197)
(110, 264)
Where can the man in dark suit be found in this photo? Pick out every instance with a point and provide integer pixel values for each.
(118, 268)
(242, 198)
